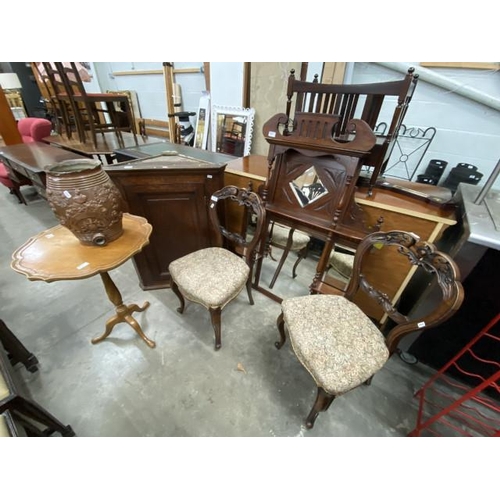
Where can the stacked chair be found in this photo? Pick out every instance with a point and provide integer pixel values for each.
(86, 113)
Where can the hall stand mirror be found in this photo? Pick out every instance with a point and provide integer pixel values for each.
(232, 129)
(310, 189)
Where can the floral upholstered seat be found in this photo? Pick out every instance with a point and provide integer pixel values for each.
(341, 262)
(214, 276)
(334, 340)
(211, 277)
(338, 343)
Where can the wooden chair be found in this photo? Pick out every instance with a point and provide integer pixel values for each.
(54, 112)
(96, 113)
(363, 101)
(338, 343)
(63, 106)
(215, 276)
(341, 261)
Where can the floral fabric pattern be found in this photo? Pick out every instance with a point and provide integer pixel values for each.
(334, 340)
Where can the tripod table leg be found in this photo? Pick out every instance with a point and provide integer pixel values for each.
(123, 312)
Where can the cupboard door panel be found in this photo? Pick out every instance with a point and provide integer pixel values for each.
(175, 203)
(179, 221)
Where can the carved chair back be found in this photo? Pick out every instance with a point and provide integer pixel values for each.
(349, 101)
(418, 253)
(244, 244)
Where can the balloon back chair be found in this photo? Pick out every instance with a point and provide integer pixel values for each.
(338, 344)
(214, 276)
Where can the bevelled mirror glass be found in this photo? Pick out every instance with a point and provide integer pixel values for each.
(308, 187)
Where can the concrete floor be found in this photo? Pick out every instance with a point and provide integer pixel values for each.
(121, 387)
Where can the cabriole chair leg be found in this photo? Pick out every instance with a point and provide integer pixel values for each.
(215, 315)
(280, 323)
(322, 403)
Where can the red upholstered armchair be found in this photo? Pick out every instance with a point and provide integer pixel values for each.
(31, 130)
(34, 129)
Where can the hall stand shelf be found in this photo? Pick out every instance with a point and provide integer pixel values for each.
(464, 409)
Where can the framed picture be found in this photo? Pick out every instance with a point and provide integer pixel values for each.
(202, 122)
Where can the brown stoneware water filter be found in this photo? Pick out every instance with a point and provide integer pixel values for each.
(85, 200)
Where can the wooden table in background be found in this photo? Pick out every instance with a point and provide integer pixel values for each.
(56, 254)
(29, 161)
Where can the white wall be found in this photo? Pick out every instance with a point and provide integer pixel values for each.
(151, 88)
(466, 130)
(226, 83)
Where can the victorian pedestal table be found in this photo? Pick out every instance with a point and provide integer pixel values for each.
(56, 254)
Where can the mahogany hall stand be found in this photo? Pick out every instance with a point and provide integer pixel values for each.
(56, 254)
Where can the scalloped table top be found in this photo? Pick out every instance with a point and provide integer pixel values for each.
(56, 254)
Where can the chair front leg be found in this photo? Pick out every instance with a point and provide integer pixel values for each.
(215, 317)
(280, 323)
(322, 403)
(302, 255)
(249, 289)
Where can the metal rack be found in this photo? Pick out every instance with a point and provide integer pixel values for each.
(449, 407)
(410, 147)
